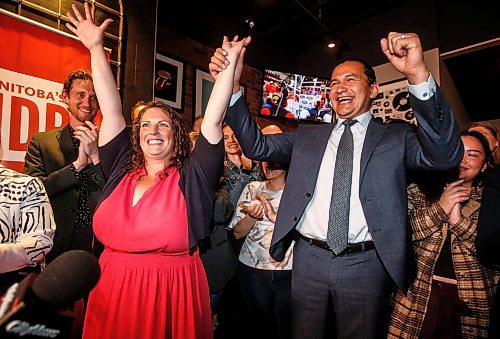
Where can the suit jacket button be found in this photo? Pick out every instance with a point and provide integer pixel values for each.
(294, 218)
(308, 195)
(71, 210)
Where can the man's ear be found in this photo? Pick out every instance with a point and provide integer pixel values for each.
(65, 97)
(374, 90)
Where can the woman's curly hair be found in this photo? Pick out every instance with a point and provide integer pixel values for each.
(182, 144)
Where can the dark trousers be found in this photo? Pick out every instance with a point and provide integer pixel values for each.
(266, 295)
(7, 279)
(348, 294)
(494, 329)
(229, 312)
(442, 319)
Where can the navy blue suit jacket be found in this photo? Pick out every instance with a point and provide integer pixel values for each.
(388, 151)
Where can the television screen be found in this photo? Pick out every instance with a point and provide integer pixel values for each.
(296, 96)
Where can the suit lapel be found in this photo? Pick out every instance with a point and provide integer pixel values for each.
(374, 133)
(66, 144)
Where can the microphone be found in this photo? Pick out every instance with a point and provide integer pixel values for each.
(38, 306)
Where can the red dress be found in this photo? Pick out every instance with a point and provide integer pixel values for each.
(150, 287)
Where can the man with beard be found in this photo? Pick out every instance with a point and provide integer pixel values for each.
(67, 161)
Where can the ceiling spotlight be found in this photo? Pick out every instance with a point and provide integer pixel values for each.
(331, 44)
(250, 23)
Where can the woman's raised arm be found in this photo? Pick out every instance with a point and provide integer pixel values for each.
(92, 37)
(211, 126)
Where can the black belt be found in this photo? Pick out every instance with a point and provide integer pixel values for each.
(350, 249)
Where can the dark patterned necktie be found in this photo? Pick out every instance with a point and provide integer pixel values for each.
(83, 219)
(338, 222)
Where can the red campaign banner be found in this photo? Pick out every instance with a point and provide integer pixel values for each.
(34, 63)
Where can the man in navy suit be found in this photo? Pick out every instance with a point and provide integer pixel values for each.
(349, 290)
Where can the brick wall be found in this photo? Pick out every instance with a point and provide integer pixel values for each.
(195, 55)
(139, 64)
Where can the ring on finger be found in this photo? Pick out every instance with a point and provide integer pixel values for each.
(403, 36)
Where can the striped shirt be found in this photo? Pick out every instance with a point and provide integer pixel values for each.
(26, 221)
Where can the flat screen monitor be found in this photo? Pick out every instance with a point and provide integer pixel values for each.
(295, 96)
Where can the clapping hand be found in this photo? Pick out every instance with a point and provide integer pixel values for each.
(253, 209)
(268, 208)
(455, 214)
(88, 137)
(454, 193)
(83, 160)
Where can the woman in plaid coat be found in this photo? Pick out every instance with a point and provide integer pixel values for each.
(452, 294)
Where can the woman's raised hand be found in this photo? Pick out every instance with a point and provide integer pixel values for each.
(89, 33)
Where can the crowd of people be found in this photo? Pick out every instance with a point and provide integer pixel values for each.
(355, 229)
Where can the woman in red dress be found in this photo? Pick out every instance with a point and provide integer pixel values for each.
(156, 206)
